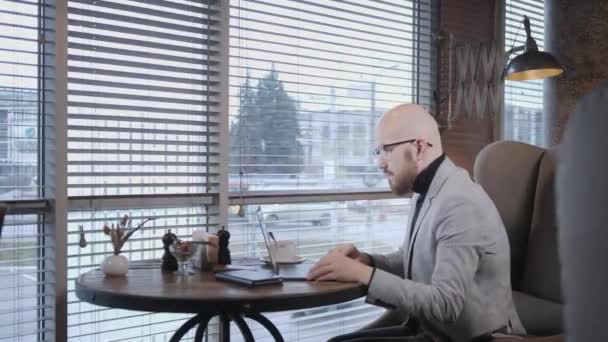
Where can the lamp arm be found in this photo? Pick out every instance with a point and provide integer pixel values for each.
(513, 50)
(507, 55)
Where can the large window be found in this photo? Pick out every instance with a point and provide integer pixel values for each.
(177, 109)
(524, 117)
(143, 118)
(308, 80)
(27, 276)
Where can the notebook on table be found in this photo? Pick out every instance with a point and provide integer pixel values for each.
(295, 272)
(249, 277)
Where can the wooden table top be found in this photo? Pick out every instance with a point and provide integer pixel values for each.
(151, 290)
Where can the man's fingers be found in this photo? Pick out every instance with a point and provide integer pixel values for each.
(337, 249)
(320, 271)
(322, 262)
(326, 259)
(343, 249)
(314, 268)
(327, 277)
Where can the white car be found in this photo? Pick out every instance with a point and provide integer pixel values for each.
(318, 214)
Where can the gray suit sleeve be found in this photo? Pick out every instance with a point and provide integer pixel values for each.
(457, 258)
(392, 262)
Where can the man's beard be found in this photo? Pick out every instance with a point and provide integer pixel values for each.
(403, 180)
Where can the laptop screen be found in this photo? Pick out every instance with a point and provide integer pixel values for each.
(260, 215)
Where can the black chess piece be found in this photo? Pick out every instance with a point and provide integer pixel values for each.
(82, 242)
(223, 257)
(169, 263)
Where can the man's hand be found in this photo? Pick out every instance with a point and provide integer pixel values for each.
(348, 250)
(335, 265)
(352, 252)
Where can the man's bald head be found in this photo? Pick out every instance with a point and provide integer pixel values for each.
(409, 141)
(409, 121)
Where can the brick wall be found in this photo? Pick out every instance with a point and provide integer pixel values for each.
(468, 21)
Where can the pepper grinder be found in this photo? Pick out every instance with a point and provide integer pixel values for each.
(223, 252)
(169, 263)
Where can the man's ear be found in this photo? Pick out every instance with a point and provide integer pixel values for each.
(419, 149)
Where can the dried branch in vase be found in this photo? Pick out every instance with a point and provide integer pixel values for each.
(123, 230)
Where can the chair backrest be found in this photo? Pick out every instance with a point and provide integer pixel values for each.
(508, 172)
(520, 180)
(541, 276)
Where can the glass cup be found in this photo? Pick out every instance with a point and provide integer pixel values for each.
(183, 250)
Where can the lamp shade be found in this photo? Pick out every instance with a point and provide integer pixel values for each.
(532, 65)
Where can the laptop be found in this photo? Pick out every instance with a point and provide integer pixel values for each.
(285, 271)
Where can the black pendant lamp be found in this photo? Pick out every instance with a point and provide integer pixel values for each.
(532, 64)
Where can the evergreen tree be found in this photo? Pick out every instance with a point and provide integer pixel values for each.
(245, 135)
(283, 153)
(265, 137)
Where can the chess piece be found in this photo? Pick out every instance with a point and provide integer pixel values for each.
(223, 252)
(169, 263)
(82, 242)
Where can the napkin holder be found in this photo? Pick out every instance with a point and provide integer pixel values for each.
(206, 252)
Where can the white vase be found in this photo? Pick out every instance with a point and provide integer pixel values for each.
(115, 265)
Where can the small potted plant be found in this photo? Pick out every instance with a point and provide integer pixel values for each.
(116, 264)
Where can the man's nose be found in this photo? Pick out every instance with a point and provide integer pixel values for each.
(381, 162)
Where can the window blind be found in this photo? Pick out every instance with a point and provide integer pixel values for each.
(524, 117)
(308, 79)
(142, 97)
(26, 280)
(26, 94)
(143, 123)
(27, 276)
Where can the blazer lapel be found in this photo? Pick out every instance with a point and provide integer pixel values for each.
(438, 180)
(409, 229)
(423, 211)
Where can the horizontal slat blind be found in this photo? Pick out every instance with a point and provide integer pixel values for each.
(26, 94)
(26, 280)
(87, 322)
(142, 97)
(524, 117)
(27, 100)
(373, 226)
(143, 123)
(308, 79)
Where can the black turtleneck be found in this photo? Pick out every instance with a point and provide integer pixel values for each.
(422, 184)
(424, 179)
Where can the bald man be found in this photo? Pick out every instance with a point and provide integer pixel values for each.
(450, 280)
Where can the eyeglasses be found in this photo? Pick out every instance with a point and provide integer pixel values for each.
(387, 148)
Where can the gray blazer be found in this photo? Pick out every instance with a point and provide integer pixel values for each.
(460, 260)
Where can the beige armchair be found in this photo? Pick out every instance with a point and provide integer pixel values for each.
(519, 179)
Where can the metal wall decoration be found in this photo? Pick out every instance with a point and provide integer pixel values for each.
(478, 80)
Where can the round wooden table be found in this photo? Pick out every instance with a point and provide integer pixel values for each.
(199, 293)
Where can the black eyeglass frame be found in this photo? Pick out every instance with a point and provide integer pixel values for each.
(389, 147)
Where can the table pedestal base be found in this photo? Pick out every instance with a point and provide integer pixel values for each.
(201, 321)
